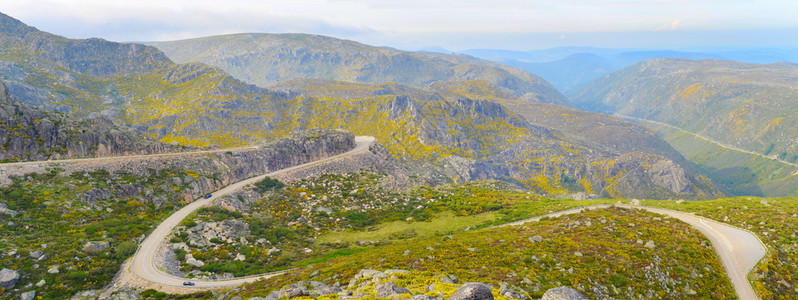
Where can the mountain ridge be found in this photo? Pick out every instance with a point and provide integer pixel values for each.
(267, 59)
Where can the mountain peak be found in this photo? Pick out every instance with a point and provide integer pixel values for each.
(10, 25)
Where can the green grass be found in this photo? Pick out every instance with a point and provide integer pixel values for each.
(441, 224)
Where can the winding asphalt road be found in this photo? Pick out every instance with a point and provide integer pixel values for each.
(143, 264)
(739, 250)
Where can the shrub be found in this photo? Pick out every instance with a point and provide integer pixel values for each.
(267, 184)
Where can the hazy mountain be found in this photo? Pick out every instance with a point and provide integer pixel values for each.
(747, 106)
(267, 59)
(571, 68)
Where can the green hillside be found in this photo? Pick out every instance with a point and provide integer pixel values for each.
(744, 106)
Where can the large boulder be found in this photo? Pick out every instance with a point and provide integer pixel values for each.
(472, 291)
(388, 289)
(8, 278)
(563, 293)
(194, 262)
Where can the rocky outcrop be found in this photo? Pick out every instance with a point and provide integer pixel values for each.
(228, 231)
(563, 293)
(8, 278)
(30, 133)
(96, 247)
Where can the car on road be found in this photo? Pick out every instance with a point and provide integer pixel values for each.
(188, 283)
(208, 196)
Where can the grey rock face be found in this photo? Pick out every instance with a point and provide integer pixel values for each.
(472, 291)
(8, 278)
(387, 289)
(563, 293)
(672, 176)
(55, 137)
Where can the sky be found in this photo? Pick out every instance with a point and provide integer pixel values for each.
(416, 24)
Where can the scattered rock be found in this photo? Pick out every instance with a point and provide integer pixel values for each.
(194, 262)
(388, 289)
(407, 252)
(96, 247)
(240, 257)
(8, 278)
(369, 274)
(36, 254)
(634, 202)
(53, 270)
(41, 283)
(764, 202)
(472, 291)
(578, 254)
(536, 239)
(650, 245)
(563, 293)
(29, 295)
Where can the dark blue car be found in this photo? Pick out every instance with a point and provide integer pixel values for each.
(188, 283)
(208, 196)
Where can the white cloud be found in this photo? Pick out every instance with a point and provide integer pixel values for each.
(672, 26)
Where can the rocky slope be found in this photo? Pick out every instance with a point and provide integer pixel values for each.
(530, 143)
(267, 59)
(29, 133)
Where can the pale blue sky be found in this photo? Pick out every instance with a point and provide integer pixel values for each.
(413, 24)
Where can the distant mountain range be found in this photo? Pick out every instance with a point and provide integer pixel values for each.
(570, 68)
(268, 59)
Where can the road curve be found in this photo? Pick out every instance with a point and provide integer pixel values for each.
(739, 250)
(143, 263)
